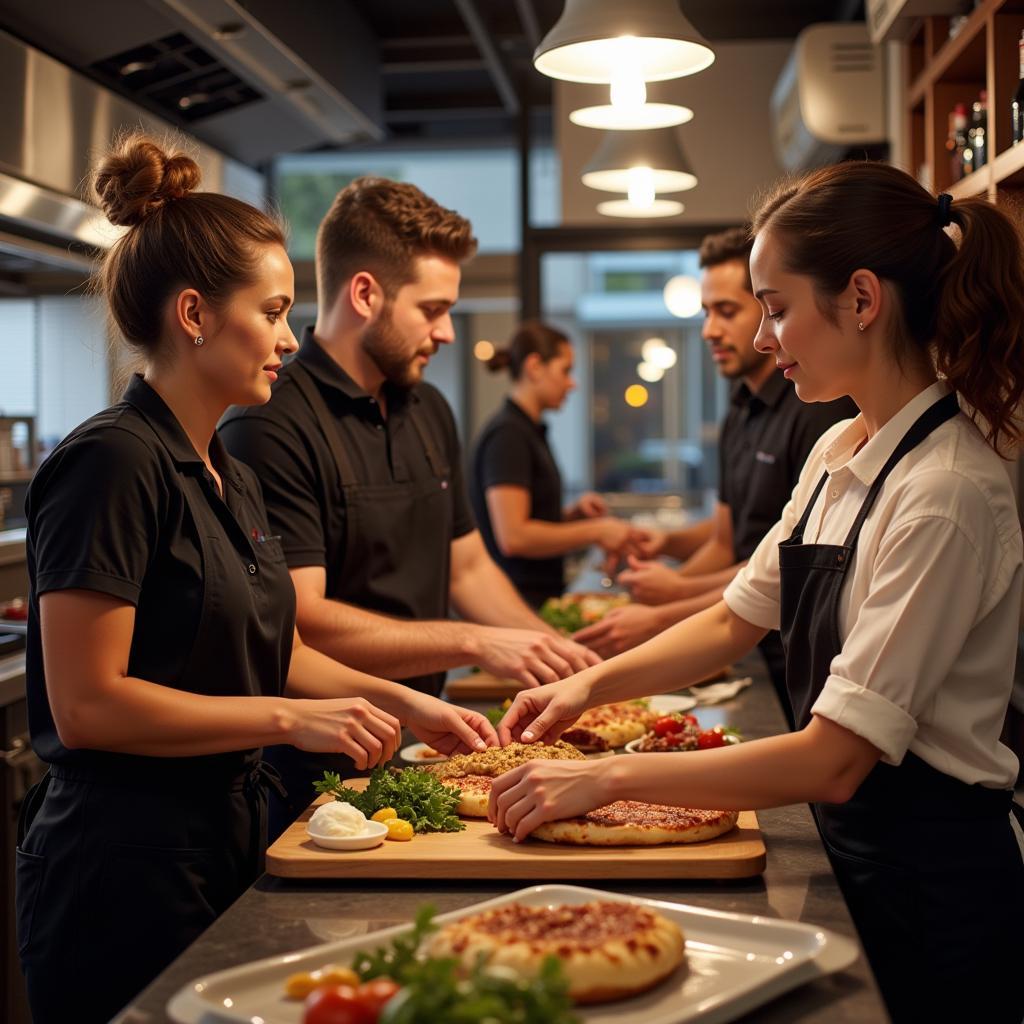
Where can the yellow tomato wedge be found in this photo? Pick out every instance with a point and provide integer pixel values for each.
(399, 830)
(384, 814)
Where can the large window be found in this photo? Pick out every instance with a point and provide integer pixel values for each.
(626, 428)
(481, 184)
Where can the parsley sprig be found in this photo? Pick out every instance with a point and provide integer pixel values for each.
(417, 797)
(437, 989)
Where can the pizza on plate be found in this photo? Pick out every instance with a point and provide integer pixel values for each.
(618, 724)
(608, 950)
(633, 823)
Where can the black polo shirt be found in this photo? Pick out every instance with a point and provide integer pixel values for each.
(125, 506)
(765, 441)
(513, 450)
(282, 441)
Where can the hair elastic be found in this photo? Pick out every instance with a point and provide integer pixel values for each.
(945, 201)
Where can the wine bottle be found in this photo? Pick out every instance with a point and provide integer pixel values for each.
(977, 140)
(959, 141)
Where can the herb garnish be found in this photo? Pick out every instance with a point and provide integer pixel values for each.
(417, 796)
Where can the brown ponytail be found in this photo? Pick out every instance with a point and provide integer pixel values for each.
(176, 238)
(961, 305)
(532, 336)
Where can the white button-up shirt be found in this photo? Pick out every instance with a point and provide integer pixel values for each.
(930, 609)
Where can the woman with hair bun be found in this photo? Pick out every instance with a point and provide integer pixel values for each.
(162, 652)
(516, 486)
(894, 576)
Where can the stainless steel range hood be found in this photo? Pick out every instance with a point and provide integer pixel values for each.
(54, 122)
(253, 78)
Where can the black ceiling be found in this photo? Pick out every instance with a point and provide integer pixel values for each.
(459, 68)
(429, 72)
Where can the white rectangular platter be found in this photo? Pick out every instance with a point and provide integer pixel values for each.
(733, 963)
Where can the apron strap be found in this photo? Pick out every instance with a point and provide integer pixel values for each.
(934, 416)
(797, 536)
(307, 385)
(438, 465)
(260, 777)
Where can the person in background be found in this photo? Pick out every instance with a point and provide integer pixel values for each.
(894, 575)
(162, 652)
(516, 487)
(361, 469)
(765, 439)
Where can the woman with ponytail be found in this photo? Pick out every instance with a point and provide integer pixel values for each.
(895, 578)
(516, 486)
(162, 653)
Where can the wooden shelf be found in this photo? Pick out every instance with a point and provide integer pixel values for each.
(956, 58)
(983, 55)
(976, 184)
(1008, 167)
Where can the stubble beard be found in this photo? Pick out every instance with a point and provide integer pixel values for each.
(382, 343)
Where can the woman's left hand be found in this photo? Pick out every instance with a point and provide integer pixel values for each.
(544, 790)
(448, 728)
(588, 506)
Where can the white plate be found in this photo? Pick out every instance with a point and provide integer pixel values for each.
(733, 963)
(411, 753)
(371, 837)
(668, 702)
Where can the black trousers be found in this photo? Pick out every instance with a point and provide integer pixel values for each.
(114, 881)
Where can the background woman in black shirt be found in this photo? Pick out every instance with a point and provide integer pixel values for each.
(517, 488)
(162, 652)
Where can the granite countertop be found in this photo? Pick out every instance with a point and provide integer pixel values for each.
(277, 915)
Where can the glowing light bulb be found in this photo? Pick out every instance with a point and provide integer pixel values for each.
(640, 188)
(628, 88)
(682, 296)
(636, 395)
(650, 373)
(483, 350)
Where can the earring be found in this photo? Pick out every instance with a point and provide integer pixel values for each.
(860, 327)
(199, 339)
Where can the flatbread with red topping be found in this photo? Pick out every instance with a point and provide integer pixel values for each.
(474, 793)
(617, 724)
(608, 950)
(632, 823)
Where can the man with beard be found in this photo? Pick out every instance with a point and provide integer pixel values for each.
(361, 469)
(765, 440)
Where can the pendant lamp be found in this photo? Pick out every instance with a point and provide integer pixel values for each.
(651, 161)
(628, 208)
(594, 39)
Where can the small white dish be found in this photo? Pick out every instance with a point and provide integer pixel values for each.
(413, 754)
(668, 702)
(372, 836)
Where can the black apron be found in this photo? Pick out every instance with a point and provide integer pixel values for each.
(119, 870)
(397, 561)
(929, 865)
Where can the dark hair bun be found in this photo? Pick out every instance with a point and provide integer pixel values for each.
(138, 176)
(501, 360)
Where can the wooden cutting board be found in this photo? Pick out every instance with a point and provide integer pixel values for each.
(484, 686)
(482, 852)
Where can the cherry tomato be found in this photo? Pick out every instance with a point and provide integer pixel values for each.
(666, 725)
(339, 1004)
(689, 719)
(711, 738)
(374, 995)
